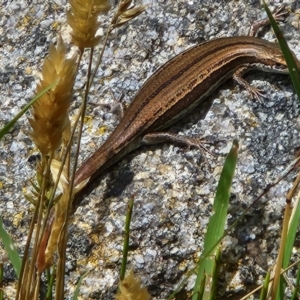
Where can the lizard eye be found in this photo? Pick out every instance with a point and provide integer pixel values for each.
(279, 66)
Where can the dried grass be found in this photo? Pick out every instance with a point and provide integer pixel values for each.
(83, 19)
(50, 112)
(131, 289)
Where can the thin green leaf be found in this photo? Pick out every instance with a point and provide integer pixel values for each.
(10, 124)
(1, 281)
(291, 236)
(289, 243)
(296, 284)
(76, 294)
(264, 290)
(13, 254)
(126, 238)
(50, 280)
(215, 229)
(290, 60)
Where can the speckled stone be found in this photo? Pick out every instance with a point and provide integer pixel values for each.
(173, 189)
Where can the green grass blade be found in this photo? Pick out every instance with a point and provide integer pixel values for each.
(13, 254)
(295, 76)
(211, 268)
(264, 290)
(76, 294)
(1, 281)
(292, 66)
(291, 236)
(296, 284)
(126, 238)
(51, 276)
(289, 244)
(10, 124)
(215, 229)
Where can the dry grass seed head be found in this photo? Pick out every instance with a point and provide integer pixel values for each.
(129, 14)
(83, 19)
(124, 15)
(50, 112)
(130, 288)
(123, 5)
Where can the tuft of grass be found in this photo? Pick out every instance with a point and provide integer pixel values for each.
(290, 222)
(206, 281)
(51, 130)
(288, 55)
